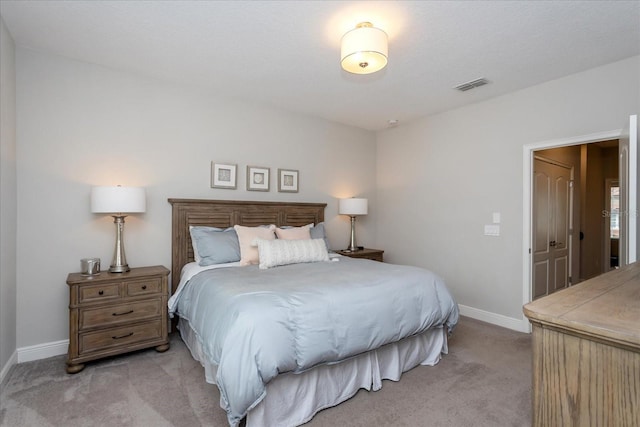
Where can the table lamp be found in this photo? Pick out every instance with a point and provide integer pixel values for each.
(352, 207)
(118, 202)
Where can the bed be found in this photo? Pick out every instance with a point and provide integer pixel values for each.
(283, 364)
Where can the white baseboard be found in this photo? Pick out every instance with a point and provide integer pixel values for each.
(520, 325)
(56, 348)
(42, 351)
(5, 369)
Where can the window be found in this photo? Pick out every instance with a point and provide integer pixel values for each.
(614, 225)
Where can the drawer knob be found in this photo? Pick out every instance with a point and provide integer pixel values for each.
(122, 314)
(100, 292)
(123, 336)
(144, 287)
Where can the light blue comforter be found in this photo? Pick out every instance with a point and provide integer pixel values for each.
(254, 324)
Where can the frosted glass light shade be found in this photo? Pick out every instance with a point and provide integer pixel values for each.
(353, 206)
(118, 200)
(364, 50)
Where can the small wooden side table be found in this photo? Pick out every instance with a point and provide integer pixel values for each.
(373, 254)
(115, 313)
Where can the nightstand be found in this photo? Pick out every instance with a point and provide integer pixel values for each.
(115, 313)
(373, 254)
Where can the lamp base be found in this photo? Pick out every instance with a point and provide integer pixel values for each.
(119, 263)
(119, 268)
(352, 242)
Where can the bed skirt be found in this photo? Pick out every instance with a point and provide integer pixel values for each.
(293, 399)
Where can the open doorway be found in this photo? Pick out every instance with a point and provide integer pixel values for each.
(628, 218)
(573, 210)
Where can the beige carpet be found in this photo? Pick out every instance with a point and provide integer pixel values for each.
(484, 381)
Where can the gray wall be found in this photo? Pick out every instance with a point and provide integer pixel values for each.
(8, 220)
(440, 179)
(432, 184)
(81, 125)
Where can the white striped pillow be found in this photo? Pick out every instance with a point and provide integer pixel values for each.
(282, 252)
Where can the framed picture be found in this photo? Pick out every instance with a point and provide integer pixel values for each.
(287, 181)
(223, 175)
(257, 178)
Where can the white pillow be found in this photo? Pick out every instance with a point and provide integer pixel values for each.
(246, 237)
(282, 252)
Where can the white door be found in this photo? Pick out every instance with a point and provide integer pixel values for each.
(552, 225)
(628, 172)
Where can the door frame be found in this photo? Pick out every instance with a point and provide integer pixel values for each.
(527, 202)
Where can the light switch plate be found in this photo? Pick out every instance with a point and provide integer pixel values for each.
(491, 230)
(496, 217)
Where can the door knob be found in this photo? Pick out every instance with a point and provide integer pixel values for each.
(552, 243)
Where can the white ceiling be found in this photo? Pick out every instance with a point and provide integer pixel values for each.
(286, 53)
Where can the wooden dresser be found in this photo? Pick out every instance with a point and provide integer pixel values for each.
(114, 313)
(586, 352)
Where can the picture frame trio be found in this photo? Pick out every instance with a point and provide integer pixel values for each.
(224, 175)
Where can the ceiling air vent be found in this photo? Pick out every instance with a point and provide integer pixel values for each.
(472, 84)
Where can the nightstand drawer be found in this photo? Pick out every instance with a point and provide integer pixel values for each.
(144, 287)
(372, 257)
(99, 292)
(113, 315)
(122, 336)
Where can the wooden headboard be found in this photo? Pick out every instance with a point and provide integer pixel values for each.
(227, 213)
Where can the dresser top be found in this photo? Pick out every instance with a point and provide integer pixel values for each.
(606, 307)
(78, 278)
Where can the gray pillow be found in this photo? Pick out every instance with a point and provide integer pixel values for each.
(317, 232)
(216, 245)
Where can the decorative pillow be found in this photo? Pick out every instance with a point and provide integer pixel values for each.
(316, 231)
(212, 245)
(282, 252)
(294, 233)
(246, 236)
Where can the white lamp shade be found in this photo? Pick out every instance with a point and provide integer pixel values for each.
(364, 49)
(352, 206)
(118, 200)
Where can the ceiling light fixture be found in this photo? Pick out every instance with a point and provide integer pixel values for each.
(364, 49)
